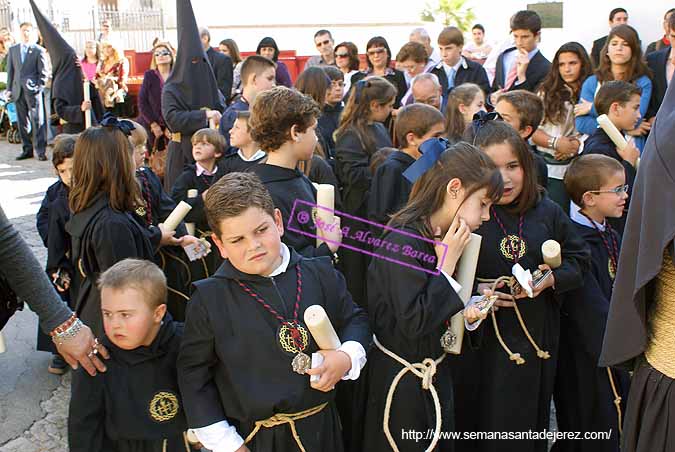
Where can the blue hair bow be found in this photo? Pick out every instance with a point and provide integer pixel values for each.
(359, 87)
(431, 150)
(109, 120)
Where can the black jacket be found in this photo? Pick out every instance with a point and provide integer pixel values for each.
(468, 72)
(535, 73)
(657, 62)
(598, 44)
(223, 70)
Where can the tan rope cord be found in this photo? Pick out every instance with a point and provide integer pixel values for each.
(181, 294)
(543, 354)
(425, 371)
(282, 418)
(617, 399)
(164, 445)
(495, 282)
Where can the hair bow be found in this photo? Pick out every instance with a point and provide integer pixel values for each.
(431, 150)
(109, 120)
(359, 87)
(481, 118)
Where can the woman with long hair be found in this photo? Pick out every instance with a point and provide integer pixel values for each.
(379, 63)
(620, 59)
(111, 78)
(230, 48)
(150, 95)
(556, 138)
(91, 58)
(268, 48)
(347, 60)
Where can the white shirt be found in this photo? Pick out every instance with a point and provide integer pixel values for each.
(451, 71)
(221, 436)
(580, 218)
(258, 155)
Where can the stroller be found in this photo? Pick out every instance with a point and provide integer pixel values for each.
(8, 121)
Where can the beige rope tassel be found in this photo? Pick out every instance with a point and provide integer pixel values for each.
(617, 399)
(425, 371)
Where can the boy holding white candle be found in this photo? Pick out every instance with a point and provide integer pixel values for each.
(587, 396)
(283, 121)
(243, 348)
(620, 101)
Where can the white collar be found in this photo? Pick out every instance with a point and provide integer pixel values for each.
(285, 259)
(580, 218)
(461, 62)
(258, 155)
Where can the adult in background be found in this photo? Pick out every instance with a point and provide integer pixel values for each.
(421, 35)
(324, 44)
(268, 48)
(190, 98)
(220, 63)
(662, 65)
(665, 40)
(617, 16)
(426, 89)
(557, 139)
(27, 74)
(347, 60)
(413, 60)
(111, 79)
(91, 59)
(230, 48)
(478, 49)
(379, 63)
(150, 95)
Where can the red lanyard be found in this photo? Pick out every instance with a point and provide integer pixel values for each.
(612, 251)
(291, 324)
(515, 253)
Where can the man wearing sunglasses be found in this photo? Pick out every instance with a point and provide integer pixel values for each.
(325, 45)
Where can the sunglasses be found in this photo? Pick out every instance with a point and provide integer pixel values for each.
(162, 53)
(617, 191)
(341, 55)
(376, 52)
(323, 43)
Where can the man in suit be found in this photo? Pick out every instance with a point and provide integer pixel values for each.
(664, 41)
(454, 69)
(617, 16)
(27, 74)
(522, 66)
(662, 64)
(220, 63)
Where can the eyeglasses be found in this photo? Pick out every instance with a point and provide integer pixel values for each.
(376, 51)
(323, 43)
(617, 191)
(341, 55)
(161, 53)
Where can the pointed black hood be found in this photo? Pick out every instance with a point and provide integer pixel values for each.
(192, 80)
(66, 69)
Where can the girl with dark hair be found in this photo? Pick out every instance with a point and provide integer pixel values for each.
(230, 48)
(379, 63)
(620, 59)
(347, 60)
(506, 384)
(360, 135)
(268, 48)
(557, 139)
(412, 297)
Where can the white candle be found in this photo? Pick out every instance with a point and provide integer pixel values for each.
(87, 114)
(191, 193)
(325, 197)
(466, 272)
(322, 330)
(2, 343)
(174, 219)
(550, 249)
(613, 133)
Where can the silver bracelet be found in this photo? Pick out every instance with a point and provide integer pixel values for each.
(70, 333)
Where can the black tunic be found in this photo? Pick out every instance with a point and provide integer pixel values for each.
(493, 393)
(232, 163)
(136, 404)
(231, 365)
(600, 143)
(583, 395)
(352, 165)
(328, 123)
(407, 309)
(286, 186)
(389, 190)
(101, 237)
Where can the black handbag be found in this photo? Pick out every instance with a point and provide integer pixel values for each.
(9, 302)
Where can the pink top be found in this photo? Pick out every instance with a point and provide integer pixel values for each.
(89, 69)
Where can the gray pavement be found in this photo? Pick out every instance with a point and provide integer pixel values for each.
(33, 403)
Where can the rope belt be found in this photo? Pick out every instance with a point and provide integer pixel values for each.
(176, 136)
(282, 418)
(425, 371)
(543, 354)
(617, 399)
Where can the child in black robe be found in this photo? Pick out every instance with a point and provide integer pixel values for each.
(283, 122)
(207, 148)
(248, 152)
(502, 390)
(620, 101)
(51, 224)
(135, 405)
(411, 299)
(389, 190)
(360, 135)
(244, 334)
(586, 394)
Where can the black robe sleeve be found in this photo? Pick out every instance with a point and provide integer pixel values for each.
(386, 194)
(180, 120)
(575, 254)
(58, 241)
(184, 183)
(70, 113)
(197, 360)
(86, 418)
(42, 218)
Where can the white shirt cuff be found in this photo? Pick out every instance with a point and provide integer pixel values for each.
(219, 437)
(455, 285)
(358, 356)
(472, 326)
